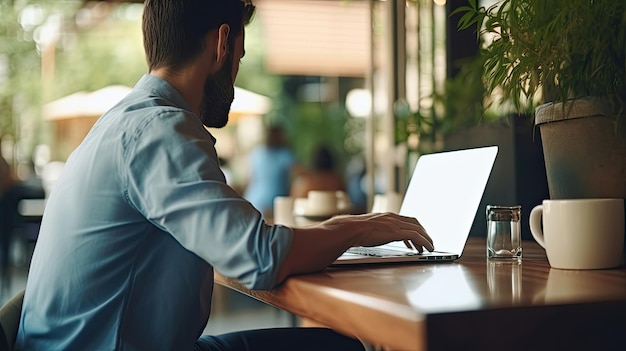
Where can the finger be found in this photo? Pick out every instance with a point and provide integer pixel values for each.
(414, 225)
(419, 248)
(411, 227)
(419, 241)
(422, 244)
(411, 222)
(408, 245)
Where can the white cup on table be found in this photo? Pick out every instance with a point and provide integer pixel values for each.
(321, 203)
(580, 233)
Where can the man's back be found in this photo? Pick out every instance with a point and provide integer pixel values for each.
(99, 262)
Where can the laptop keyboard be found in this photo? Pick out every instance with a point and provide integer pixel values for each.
(378, 252)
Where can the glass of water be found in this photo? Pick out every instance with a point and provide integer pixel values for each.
(504, 239)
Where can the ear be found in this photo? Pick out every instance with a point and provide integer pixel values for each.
(223, 33)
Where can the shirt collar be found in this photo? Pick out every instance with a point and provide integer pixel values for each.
(160, 87)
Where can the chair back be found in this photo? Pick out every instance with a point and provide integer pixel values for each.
(10, 314)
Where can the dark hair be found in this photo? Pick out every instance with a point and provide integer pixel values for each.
(174, 30)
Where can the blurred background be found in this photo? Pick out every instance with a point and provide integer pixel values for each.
(377, 83)
(321, 69)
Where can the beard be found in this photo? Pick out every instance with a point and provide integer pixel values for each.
(219, 93)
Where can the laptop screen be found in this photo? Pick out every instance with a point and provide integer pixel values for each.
(444, 194)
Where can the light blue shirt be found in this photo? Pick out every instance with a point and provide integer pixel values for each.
(132, 230)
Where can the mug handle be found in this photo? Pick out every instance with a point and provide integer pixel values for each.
(534, 221)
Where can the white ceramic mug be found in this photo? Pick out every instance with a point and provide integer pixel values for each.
(580, 233)
(321, 203)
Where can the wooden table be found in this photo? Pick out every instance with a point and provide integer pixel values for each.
(471, 303)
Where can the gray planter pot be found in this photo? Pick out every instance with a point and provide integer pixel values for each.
(584, 150)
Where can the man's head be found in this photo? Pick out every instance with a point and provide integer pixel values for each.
(175, 35)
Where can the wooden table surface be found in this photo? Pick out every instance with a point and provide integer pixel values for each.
(472, 301)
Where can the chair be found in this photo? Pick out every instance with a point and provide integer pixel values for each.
(10, 320)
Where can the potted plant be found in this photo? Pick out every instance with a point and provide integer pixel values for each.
(569, 56)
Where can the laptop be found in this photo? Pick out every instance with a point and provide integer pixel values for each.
(444, 193)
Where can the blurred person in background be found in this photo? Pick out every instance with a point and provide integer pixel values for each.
(270, 166)
(141, 215)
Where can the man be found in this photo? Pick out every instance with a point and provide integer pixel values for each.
(141, 214)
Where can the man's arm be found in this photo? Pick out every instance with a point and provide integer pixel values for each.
(317, 246)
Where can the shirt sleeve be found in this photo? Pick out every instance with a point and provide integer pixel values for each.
(174, 180)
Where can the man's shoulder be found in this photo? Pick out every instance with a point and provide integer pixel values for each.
(139, 110)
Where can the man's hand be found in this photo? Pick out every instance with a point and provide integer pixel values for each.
(374, 229)
(317, 246)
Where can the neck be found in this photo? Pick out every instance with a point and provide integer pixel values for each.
(189, 82)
